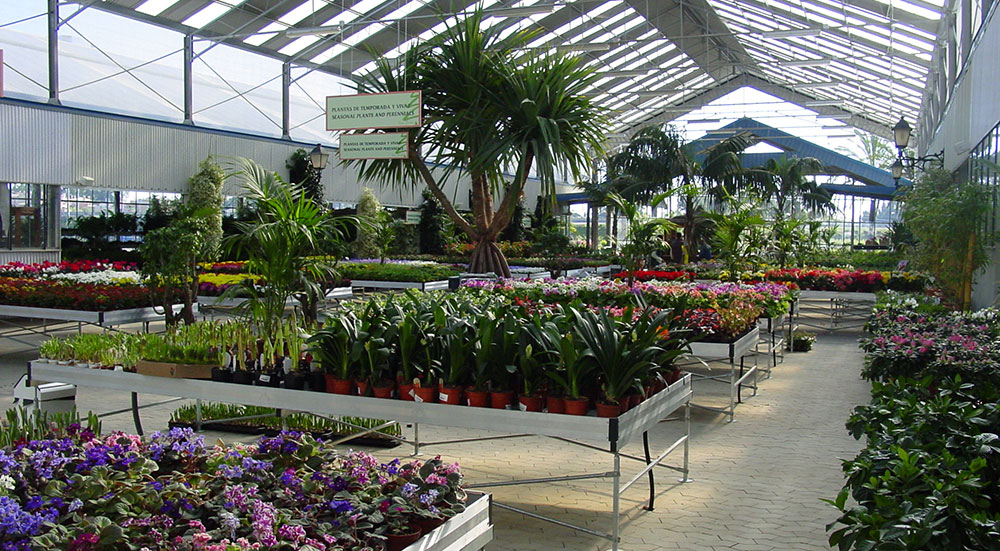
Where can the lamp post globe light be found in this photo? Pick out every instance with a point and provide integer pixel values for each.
(318, 157)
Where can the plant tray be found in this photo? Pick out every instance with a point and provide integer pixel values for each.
(731, 351)
(248, 428)
(177, 371)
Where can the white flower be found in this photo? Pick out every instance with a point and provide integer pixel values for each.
(105, 277)
(6, 483)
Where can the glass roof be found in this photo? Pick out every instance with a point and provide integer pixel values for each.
(867, 58)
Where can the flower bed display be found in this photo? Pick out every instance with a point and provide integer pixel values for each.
(41, 269)
(926, 478)
(406, 271)
(717, 311)
(658, 275)
(45, 293)
(80, 491)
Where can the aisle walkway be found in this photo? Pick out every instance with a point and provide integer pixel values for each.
(757, 482)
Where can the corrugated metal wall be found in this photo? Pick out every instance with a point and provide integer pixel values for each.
(45, 145)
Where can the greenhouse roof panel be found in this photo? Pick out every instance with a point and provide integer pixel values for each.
(879, 51)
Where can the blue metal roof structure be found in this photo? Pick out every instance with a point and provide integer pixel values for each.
(875, 183)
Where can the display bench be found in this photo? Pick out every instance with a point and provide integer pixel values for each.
(58, 318)
(338, 293)
(367, 284)
(469, 530)
(832, 310)
(773, 337)
(608, 435)
(734, 354)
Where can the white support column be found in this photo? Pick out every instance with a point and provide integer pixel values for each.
(188, 79)
(53, 44)
(286, 85)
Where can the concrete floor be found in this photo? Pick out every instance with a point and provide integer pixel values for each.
(757, 482)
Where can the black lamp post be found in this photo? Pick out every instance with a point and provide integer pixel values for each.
(901, 135)
(318, 157)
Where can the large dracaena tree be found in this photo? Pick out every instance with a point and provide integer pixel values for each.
(488, 109)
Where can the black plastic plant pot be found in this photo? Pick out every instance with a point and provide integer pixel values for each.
(294, 381)
(316, 381)
(222, 375)
(244, 377)
(269, 378)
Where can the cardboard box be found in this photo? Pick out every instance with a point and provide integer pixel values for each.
(181, 371)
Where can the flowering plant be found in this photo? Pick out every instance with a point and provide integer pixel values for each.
(174, 493)
(20, 269)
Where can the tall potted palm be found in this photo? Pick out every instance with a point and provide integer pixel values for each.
(488, 109)
(282, 246)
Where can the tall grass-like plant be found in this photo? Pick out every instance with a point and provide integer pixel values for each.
(283, 246)
(21, 425)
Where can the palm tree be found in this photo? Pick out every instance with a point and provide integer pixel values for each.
(488, 109)
(791, 185)
(657, 159)
(283, 245)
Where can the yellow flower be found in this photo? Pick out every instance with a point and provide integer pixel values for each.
(222, 279)
(886, 276)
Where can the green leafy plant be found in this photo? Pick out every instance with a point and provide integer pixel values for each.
(283, 247)
(948, 222)
(22, 425)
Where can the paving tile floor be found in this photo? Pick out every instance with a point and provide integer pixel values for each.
(757, 482)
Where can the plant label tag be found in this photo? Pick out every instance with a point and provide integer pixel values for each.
(522, 407)
(415, 397)
(444, 397)
(265, 378)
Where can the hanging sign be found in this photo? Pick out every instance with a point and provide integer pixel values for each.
(391, 145)
(389, 110)
(412, 217)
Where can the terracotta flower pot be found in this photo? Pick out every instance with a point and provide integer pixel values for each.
(382, 391)
(425, 394)
(427, 524)
(404, 392)
(635, 400)
(362, 387)
(398, 542)
(478, 398)
(337, 386)
(500, 400)
(608, 410)
(576, 406)
(530, 403)
(556, 404)
(624, 405)
(450, 395)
